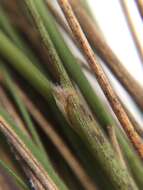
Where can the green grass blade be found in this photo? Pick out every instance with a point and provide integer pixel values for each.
(14, 35)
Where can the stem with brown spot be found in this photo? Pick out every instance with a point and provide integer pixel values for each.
(59, 143)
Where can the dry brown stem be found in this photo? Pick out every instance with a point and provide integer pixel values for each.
(98, 42)
(25, 153)
(10, 109)
(101, 77)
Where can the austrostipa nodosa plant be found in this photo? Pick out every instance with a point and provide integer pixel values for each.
(57, 131)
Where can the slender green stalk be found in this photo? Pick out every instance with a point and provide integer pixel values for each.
(53, 57)
(7, 27)
(24, 66)
(15, 94)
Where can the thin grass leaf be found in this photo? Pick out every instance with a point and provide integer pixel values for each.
(7, 27)
(14, 92)
(52, 54)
